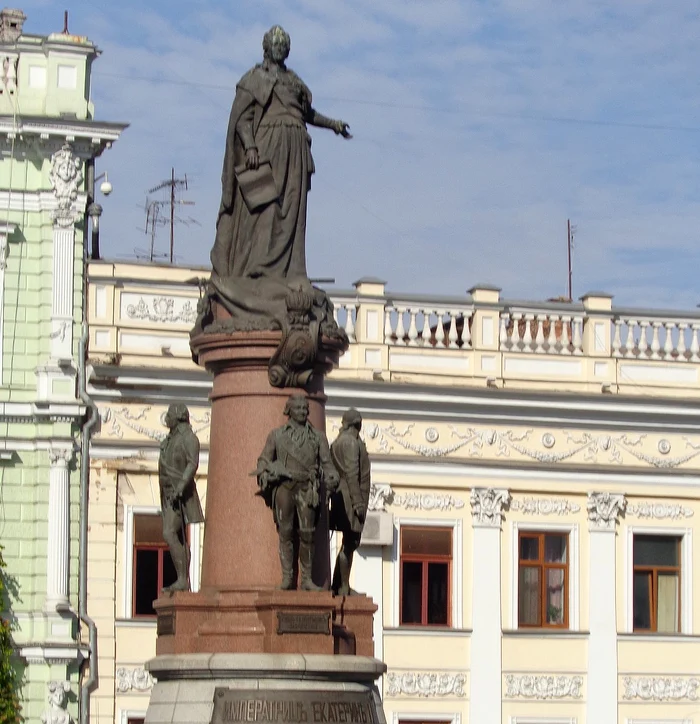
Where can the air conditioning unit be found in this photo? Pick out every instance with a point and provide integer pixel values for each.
(379, 529)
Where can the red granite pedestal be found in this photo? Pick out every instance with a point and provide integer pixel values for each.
(239, 609)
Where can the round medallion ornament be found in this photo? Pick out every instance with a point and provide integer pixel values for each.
(548, 440)
(432, 435)
(664, 447)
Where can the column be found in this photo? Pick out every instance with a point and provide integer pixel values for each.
(604, 510)
(58, 544)
(488, 505)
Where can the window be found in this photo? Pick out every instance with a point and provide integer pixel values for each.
(426, 572)
(656, 585)
(153, 568)
(543, 580)
(135, 720)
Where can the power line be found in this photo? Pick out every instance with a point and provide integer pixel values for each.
(433, 109)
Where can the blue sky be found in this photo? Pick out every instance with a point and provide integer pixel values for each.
(480, 127)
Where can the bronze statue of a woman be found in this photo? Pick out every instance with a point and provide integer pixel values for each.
(268, 125)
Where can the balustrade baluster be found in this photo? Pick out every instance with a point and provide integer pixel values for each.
(503, 341)
(680, 347)
(577, 333)
(552, 336)
(668, 340)
(643, 342)
(629, 340)
(412, 328)
(694, 344)
(466, 331)
(566, 334)
(617, 339)
(388, 329)
(655, 346)
(527, 336)
(539, 332)
(453, 336)
(350, 323)
(400, 329)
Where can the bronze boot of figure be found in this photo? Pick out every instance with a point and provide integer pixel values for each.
(306, 561)
(287, 565)
(341, 574)
(181, 563)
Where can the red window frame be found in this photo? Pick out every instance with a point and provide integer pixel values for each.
(425, 559)
(653, 571)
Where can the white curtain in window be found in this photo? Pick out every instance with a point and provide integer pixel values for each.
(667, 605)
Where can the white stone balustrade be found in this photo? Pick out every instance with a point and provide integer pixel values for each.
(657, 338)
(420, 324)
(345, 315)
(542, 332)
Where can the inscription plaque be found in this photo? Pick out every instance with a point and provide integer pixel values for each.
(166, 624)
(241, 706)
(303, 623)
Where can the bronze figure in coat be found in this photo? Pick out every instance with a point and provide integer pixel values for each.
(180, 505)
(350, 500)
(289, 473)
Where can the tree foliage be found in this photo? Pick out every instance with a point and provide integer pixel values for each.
(9, 698)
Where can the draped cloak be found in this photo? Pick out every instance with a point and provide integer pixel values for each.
(267, 242)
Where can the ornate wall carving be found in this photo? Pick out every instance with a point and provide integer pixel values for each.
(604, 510)
(380, 495)
(162, 310)
(659, 510)
(137, 679)
(65, 176)
(545, 506)
(427, 501)
(421, 684)
(56, 713)
(543, 686)
(660, 688)
(489, 505)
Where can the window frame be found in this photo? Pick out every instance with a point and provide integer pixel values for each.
(398, 717)
(686, 577)
(126, 714)
(194, 535)
(455, 604)
(573, 579)
(543, 566)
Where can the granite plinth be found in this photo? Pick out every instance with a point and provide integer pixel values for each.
(290, 688)
(264, 621)
(241, 543)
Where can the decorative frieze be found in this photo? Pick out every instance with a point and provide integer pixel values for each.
(660, 688)
(488, 506)
(659, 510)
(137, 679)
(604, 510)
(543, 686)
(545, 506)
(427, 501)
(161, 310)
(56, 712)
(380, 495)
(425, 684)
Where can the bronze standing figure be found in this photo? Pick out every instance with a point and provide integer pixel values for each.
(289, 473)
(350, 500)
(180, 505)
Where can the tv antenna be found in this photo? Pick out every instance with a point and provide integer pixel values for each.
(570, 234)
(155, 217)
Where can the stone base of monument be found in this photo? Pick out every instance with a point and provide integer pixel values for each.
(265, 688)
(265, 621)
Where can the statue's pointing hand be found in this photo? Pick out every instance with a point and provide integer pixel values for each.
(342, 129)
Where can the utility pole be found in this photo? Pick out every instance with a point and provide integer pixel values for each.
(570, 231)
(173, 184)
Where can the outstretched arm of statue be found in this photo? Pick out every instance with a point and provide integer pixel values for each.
(320, 121)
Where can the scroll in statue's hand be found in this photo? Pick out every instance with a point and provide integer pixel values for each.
(252, 160)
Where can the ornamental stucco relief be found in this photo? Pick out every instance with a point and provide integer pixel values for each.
(660, 688)
(543, 686)
(659, 511)
(146, 422)
(489, 506)
(65, 176)
(427, 501)
(137, 679)
(604, 510)
(425, 684)
(380, 495)
(545, 506)
(162, 310)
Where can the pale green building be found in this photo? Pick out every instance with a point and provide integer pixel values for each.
(49, 141)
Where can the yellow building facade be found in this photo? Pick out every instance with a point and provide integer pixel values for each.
(535, 501)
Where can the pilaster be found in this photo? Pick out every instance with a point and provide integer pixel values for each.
(604, 510)
(58, 544)
(488, 506)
